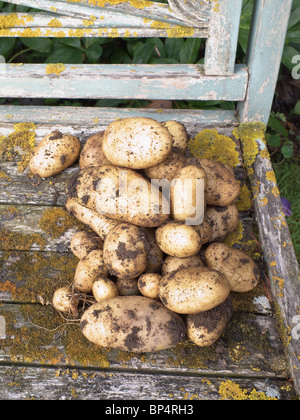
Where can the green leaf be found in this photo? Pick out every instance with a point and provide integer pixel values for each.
(274, 140)
(42, 45)
(287, 150)
(71, 42)
(297, 108)
(173, 47)
(120, 56)
(295, 17)
(143, 53)
(159, 47)
(289, 53)
(6, 44)
(94, 53)
(190, 50)
(65, 55)
(276, 125)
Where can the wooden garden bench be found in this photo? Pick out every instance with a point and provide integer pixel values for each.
(41, 356)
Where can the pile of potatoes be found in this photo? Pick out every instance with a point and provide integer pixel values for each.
(152, 278)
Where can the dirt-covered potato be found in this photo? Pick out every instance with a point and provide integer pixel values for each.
(169, 168)
(222, 220)
(128, 287)
(84, 242)
(119, 193)
(240, 269)
(55, 153)
(205, 328)
(155, 256)
(204, 230)
(64, 300)
(134, 324)
(148, 284)
(222, 186)
(100, 224)
(173, 264)
(179, 134)
(194, 289)
(178, 240)
(88, 270)
(136, 143)
(125, 251)
(187, 195)
(104, 289)
(92, 153)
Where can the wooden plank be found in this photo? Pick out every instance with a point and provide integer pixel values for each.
(108, 25)
(275, 239)
(101, 117)
(34, 383)
(266, 42)
(36, 334)
(220, 54)
(86, 9)
(124, 81)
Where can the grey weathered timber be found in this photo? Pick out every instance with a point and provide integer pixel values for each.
(266, 42)
(276, 241)
(222, 40)
(36, 383)
(120, 81)
(108, 25)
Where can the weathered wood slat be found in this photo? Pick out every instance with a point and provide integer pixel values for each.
(34, 383)
(220, 54)
(85, 9)
(108, 25)
(98, 117)
(120, 81)
(36, 334)
(266, 42)
(275, 239)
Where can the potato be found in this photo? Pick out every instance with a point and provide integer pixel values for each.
(222, 186)
(56, 152)
(88, 270)
(173, 264)
(136, 143)
(187, 195)
(99, 224)
(128, 287)
(155, 256)
(179, 134)
(64, 300)
(148, 284)
(169, 168)
(134, 324)
(178, 240)
(120, 194)
(84, 242)
(104, 289)
(204, 230)
(125, 251)
(194, 289)
(241, 270)
(222, 220)
(92, 153)
(205, 328)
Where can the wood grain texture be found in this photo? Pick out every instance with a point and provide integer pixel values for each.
(221, 46)
(124, 81)
(36, 383)
(266, 42)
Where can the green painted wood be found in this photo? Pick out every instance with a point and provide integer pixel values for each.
(223, 37)
(266, 42)
(93, 116)
(170, 81)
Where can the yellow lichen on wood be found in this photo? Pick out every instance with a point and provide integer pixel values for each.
(55, 68)
(229, 390)
(208, 144)
(19, 145)
(55, 23)
(244, 200)
(248, 134)
(56, 221)
(10, 21)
